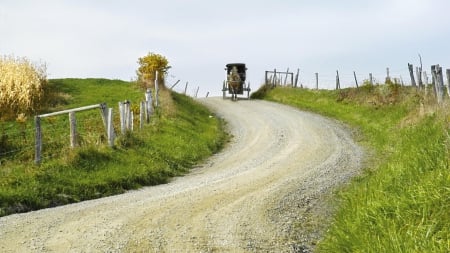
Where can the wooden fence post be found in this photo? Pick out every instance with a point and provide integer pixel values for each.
(122, 117)
(156, 90)
(171, 87)
(419, 77)
(447, 72)
(286, 76)
(388, 77)
(131, 121)
(104, 113)
(370, 78)
(338, 83)
(196, 93)
(126, 115)
(411, 74)
(148, 105)
(440, 77)
(110, 129)
(38, 139)
(296, 78)
(185, 88)
(356, 80)
(317, 81)
(274, 82)
(224, 89)
(141, 114)
(73, 130)
(436, 72)
(433, 80)
(207, 94)
(425, 78)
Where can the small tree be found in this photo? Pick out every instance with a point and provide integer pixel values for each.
(148, 65)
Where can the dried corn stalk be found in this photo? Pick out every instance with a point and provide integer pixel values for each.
(21, 84)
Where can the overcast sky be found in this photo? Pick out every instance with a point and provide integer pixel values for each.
(87, 38)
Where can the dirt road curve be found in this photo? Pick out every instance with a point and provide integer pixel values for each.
(244, 199)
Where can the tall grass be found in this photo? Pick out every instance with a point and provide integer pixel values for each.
(180, 135)
(401, 202)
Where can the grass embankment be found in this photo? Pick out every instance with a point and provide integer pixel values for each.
(180, 134)
(402, 202)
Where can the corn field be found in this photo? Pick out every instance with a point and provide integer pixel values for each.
(21, 85)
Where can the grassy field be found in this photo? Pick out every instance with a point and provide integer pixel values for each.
(180, 134)
(401, 203)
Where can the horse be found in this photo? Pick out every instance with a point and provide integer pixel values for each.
(234, 81)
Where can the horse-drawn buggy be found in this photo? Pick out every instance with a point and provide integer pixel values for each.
(235, 82)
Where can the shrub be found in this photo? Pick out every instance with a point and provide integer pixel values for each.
(21, 85)
(148, 65)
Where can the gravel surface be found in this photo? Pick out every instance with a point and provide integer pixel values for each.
(263, 193)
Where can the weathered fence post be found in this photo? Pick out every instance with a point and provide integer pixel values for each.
(110, 128)
(433, 80)
(388, 77)
(224, 89)
(292, 79)
(185, 88)
(122, 117)
(73, 130)
(156, 90)
(248, 90)
(370, 78)
(141, 114)
(126, 114)
(148, 105)
(338, 83)
(274, 82)
(207, 94)
(286, 76)
(104, 113)
(196, 93)
(419, 77)
(296, 78)
(38, 138)
(171, 87)
(356, 80)
(440, 77)
(425, 78)
(317, 81)
(447, 72)
(436, 71)
(131, 121)
(411, 74)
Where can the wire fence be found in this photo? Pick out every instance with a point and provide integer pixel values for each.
(349, 79)
(53, 136)
(18, 139)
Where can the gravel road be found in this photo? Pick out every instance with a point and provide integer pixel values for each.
(251, 197)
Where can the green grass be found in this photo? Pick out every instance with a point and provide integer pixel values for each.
(401, 203)
(179, 136)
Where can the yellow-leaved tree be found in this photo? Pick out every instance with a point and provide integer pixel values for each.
(148, 65)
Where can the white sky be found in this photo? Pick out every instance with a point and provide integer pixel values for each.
(82, 38)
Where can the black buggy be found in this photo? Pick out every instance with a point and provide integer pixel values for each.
(235, 82)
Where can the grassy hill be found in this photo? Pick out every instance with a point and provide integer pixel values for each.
(181, 133)
(401, 203)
